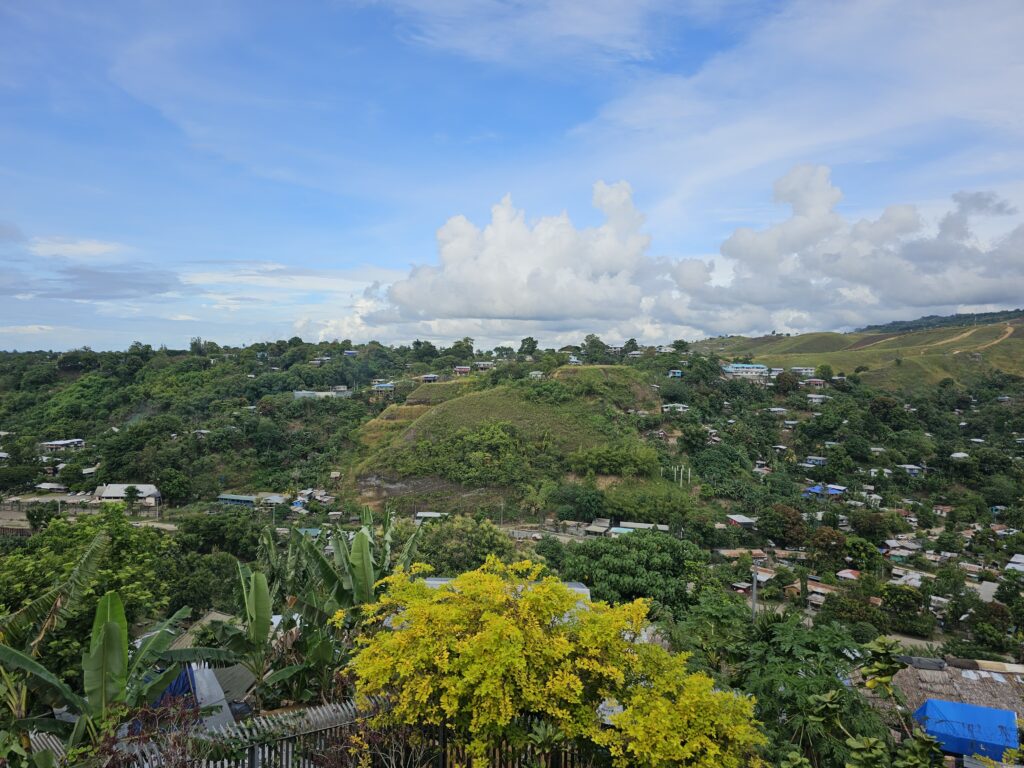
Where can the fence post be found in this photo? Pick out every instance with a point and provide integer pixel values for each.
(253, 761)
(442, 741)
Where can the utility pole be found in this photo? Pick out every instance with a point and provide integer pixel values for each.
(753, 607)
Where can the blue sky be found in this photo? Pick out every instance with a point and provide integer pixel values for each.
(433, 169)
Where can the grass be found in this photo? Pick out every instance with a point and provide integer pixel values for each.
(569, 426)
(593, 415)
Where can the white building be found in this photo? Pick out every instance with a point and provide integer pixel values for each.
(149, 495)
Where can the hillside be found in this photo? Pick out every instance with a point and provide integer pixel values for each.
(470, 433)
(894, 360)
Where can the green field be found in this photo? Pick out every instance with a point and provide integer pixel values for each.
(905, 361)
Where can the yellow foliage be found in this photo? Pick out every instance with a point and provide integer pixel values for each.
(503, 642)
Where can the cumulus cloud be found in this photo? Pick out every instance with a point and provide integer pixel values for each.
(546, 270)
(813, 269)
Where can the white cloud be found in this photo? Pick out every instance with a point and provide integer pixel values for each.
(24, 330)
(814, 269)
(75, 249)
(518, 32)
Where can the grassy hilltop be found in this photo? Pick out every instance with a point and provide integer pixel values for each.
(894, 360)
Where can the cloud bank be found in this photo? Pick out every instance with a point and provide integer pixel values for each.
(814, 269)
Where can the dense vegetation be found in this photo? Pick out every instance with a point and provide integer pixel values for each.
(924, 483)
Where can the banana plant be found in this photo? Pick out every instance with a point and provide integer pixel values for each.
(255, 643)
(116, 676)
(318, 585)
(26, 628)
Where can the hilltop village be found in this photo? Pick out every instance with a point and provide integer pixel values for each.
(790, 529)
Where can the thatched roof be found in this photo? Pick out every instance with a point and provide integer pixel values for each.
(984, 683)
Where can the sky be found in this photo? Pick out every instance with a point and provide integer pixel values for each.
(243, 170)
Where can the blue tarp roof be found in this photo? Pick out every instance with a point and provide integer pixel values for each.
(818, 490)
(967, 729)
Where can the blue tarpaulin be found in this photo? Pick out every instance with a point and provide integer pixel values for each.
(967, 729)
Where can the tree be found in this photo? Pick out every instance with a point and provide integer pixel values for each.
(501, 644)
(824, 371)
(594, 350)
(787, 382)
(644, 564)
(131, 498)
(458, 544)
(174, 485)
(134, 566)
(784, 525)
(40, 514)
(528, 346)
(828, 547)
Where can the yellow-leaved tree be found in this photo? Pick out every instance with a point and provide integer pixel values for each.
(502, 645)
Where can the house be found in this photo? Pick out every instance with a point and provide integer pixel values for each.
(55, 446)
(848, 574)
(874, 472)
(816, 399)
(149, 495)
(674, 408)
(749, 371)
(308, 394)
(384, 387)
(777, 411)
(816, 461)
(736, 554)
(4, 456)
(675, 373)
(911, 469)
(817, 592)
(815, 383)
(349, 353)
(52, 488)
(429, 378)
(536, 375)
(875, 449)
(599, 527)
(272, 499)
(644, 527)
(462, 370)
(803, 373)
(959, 456)
(635, 354)
(483, 365)
(573, 360)
(237, 500)
(1016, 564)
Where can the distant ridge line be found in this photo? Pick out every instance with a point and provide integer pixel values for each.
(944, 321)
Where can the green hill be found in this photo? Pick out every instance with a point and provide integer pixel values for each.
(524, 428)
(896, 360)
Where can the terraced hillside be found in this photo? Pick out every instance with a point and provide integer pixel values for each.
(902, 361)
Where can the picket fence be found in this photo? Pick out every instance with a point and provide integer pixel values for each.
(307, 738)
